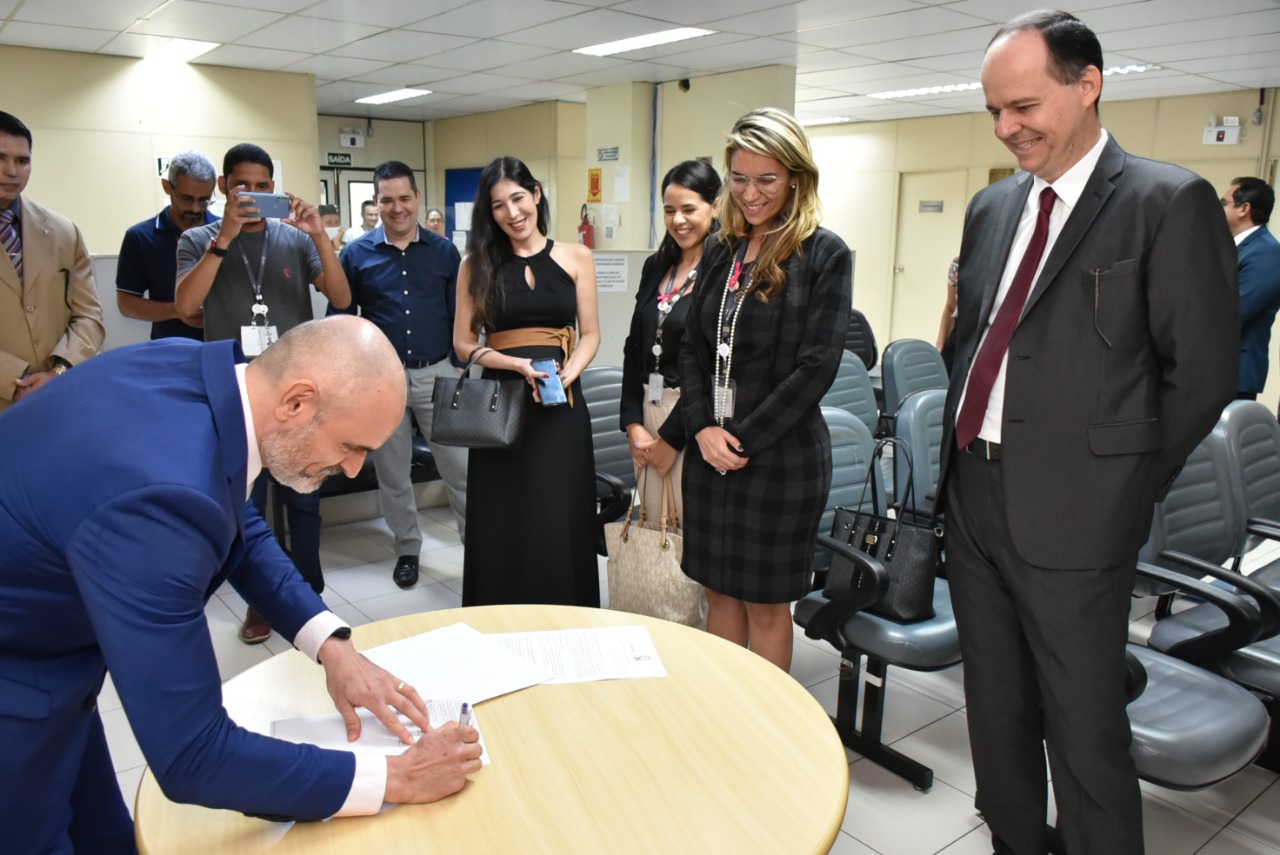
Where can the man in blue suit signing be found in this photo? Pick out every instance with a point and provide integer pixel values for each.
(123, 513)
(1247, 204)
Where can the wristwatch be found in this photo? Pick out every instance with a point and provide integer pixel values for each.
(343, 632)
(214, 249)
(60, 366)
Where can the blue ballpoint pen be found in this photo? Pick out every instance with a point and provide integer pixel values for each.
(464, 719)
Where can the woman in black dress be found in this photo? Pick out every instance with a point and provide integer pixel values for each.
(766, 330)
(651, 414)
(530, 534)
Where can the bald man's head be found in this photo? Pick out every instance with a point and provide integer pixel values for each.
(323, 396)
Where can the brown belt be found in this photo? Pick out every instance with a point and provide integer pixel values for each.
(565, 338)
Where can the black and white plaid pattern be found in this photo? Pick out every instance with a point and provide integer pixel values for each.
(750, 534)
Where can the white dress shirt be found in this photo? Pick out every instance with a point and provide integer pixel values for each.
(1244, 234)
(370, 783)
(1068, 188)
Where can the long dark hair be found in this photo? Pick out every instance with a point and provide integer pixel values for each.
(700, 177)
(488, 246)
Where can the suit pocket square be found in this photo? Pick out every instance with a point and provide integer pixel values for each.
(1137, 437)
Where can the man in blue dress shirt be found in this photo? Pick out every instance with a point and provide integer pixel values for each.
(148, 265)
(403, 278)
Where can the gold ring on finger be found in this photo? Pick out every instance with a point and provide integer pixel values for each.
(400, 687)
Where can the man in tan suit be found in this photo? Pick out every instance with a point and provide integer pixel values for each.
(50, 316)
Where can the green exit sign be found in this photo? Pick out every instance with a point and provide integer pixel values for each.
(337, 158)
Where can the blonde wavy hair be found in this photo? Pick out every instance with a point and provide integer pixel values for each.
(774, 133)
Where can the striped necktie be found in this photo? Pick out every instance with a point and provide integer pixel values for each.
(12, 240)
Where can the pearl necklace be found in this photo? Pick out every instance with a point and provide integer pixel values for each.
(724, 351)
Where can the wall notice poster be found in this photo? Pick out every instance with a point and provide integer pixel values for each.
(595, 184)
(611, 272)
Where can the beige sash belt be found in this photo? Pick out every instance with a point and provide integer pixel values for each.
(565, 338)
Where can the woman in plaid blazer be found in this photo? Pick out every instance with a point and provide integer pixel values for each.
(763, 343)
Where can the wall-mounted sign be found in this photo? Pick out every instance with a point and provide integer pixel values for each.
(595, 182)
(337, 158)
(931, 207)
(611, 272)
(162, 167)
(603, 154)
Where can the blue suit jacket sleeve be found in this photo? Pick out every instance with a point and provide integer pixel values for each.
(1259, 277)
(141, 563)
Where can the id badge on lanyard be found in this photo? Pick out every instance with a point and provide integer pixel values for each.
(259, 334)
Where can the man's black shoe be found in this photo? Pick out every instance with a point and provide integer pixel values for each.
(406, 572)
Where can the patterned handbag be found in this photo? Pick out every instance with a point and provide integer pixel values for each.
(644, 565)
(477, 412)
(910, 552)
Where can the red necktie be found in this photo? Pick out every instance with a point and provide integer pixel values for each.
(986, 366)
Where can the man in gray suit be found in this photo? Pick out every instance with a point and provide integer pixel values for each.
(1097, 340)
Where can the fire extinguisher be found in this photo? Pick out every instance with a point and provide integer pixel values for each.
(586, 231)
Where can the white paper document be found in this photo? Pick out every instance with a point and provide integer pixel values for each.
(456, 661)
(581, 655)
(328, 730)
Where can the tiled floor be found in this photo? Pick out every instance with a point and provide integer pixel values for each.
(925, 717)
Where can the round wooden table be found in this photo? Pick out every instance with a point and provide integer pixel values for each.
(727, 754)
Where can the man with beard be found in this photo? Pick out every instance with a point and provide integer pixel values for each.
(148, 262)
(118, 529)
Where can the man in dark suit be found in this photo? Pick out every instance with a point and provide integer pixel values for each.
(1096, 334)
(1248, 203)
(118, 527)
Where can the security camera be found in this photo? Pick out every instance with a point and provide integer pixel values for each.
(684, 85)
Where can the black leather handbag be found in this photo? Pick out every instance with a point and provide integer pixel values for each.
(477, 412)
(911, 552)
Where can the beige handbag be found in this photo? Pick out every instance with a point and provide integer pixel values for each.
(644, 565)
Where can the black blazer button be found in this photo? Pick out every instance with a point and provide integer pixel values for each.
(91, 702)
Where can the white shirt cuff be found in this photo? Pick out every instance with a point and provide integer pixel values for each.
(315, 632)
(368, 788)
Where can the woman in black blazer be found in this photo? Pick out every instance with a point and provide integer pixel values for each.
(651, 414)
(765, 333)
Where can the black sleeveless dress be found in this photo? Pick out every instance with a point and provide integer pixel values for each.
(531, 510)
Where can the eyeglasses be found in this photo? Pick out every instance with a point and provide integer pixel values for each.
(767, 183)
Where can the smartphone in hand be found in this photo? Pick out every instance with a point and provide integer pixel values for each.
(271, 206)
(550, 389)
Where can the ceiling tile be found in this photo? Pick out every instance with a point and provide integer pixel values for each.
(558, 65)
(648, 72)
(336, 67)
(484, 55)
(187, 19)
(807, 15)
(816, 93)
(551, 91)
(492, 18)
(1230, 26)
(54, 38)
(91, 14)
(7, 7)
(899, 25)
(590, 28)
(999, 11)
(1230, 62)
(400, 46)
(311, 35)
(974, 38)
(828, 60)
(284, 7)
(407, 75)
(753, 53)
(685, 13)
(844, 78)
(383, 13)
(1128, 16)
(239, 56)
(344, 91)
(472, 84)
(1207, 48)
(969, 62)
(133, 44)
(695, 45)
(1258, 78)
